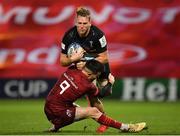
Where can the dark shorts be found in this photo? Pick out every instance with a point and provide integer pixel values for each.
(60, 117)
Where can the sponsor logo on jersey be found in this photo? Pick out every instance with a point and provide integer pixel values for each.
(103, 41)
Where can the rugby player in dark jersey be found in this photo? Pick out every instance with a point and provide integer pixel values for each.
(72, 85)
(94, 45)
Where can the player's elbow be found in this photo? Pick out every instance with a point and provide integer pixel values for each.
(63, 64)
(64, 61)
(105, 60)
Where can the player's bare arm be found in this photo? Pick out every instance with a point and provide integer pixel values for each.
(106, 89)
(66, 61)
(103, 57)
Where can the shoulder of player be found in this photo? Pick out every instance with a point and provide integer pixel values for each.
(70, 33)
(96, 31)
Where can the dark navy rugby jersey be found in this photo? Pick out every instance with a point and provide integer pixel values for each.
(94, 43)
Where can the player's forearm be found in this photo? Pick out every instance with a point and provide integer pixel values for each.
(103, 57)
(105, 90)
(65, 62)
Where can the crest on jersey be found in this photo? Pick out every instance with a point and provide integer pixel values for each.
(69, 113)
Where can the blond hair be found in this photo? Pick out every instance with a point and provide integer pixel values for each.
(81, 11)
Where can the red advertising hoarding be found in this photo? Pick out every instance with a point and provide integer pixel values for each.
(143, 37)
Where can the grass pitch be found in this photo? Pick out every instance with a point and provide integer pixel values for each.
(26, 117)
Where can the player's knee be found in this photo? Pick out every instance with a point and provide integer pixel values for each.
(94, 112)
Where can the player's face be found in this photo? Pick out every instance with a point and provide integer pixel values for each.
(93, 76)
(83, 25)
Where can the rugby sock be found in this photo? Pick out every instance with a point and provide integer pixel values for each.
(124, 127)
(105, 120)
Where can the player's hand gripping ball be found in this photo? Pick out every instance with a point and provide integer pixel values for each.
(74, 48)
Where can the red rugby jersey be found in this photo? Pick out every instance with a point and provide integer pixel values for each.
(72, 85)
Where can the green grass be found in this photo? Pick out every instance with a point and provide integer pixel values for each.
(26, 117)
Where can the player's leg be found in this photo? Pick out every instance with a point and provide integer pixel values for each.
(60, 117)
(103, 119)
(102, 81)
(50, 116)
(94, 113)
(86, 112)
(98, 104)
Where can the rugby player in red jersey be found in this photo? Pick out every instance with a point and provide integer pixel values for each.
(72, 85)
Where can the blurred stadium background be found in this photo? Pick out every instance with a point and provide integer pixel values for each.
(143, 41)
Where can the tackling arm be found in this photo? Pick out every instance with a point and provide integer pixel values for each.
(65, 60)
(106, 90)
(76, 56)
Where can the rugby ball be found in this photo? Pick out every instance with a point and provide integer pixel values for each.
(74, 48)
